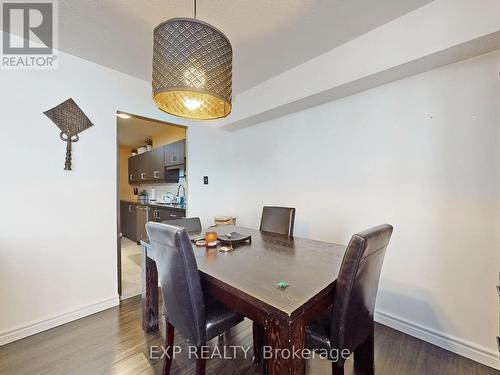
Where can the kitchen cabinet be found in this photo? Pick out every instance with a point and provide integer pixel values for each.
(142, 217)
(133, 170)
(175, 153)
(160, 214)
(133, 218)
(128, 220)
(139, 168)
(144, 168)
(150, 165)
(157, 164)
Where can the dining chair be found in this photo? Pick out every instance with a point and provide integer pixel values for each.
(196, 318)
(278, 220)
(191, 224)
(348, 325)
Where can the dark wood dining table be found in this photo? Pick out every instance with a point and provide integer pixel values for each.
(245, 280)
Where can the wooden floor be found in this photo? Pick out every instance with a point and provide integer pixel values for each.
(112, 342)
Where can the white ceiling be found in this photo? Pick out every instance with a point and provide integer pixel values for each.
(268, 36)
(134, 131)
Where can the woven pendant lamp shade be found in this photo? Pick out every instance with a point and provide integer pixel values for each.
(192, 69)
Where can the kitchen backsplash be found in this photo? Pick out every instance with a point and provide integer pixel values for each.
(160, 189)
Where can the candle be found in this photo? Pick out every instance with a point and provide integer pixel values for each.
(210, 237)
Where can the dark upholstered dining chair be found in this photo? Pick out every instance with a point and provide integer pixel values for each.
(196, 318)
(278, 220)
(191, 224)
(349, 323)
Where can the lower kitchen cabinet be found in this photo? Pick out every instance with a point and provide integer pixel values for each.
(160, 214)
(142, 217)
(133, 218)
(128, 220)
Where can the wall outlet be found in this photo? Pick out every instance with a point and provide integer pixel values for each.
(205, 180)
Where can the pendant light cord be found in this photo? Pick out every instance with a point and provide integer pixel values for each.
(194, 9)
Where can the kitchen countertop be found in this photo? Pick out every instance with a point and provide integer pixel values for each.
(170, 206)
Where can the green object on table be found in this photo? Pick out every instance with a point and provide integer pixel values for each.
(282, 284)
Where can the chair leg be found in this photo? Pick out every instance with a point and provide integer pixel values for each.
(201, 364)
(258, 343)
(364, 354)
(337, 369)
(169, 346)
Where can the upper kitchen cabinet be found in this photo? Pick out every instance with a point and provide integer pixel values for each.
(144, 167)
(139, 168)
(134, 175)
(157, 164)
(150, 165)
(175, 153)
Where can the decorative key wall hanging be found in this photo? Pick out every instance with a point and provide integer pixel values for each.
(71, 120)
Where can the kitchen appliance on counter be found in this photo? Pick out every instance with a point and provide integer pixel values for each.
(143, 197)
(168, 197)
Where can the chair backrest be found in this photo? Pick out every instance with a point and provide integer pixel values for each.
(180, 280)
(278, 220)
(191, 224)
(356, 288)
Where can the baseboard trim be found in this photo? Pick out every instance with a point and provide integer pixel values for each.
(448, 342)
(43, 325)
(453, 344)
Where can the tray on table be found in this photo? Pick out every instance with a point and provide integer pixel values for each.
(234, 238)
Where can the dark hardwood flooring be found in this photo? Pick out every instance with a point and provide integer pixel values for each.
(112, 342)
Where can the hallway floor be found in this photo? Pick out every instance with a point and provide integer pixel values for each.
(131, 268)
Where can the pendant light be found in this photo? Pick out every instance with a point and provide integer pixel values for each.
(192, 69)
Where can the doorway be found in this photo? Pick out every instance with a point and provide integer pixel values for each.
(152, 186)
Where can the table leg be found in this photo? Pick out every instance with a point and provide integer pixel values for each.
(287, 341)
(149, 276)
(258, 343)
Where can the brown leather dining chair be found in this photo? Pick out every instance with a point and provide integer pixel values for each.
(278, 220)
(197, 318)
(348, 325)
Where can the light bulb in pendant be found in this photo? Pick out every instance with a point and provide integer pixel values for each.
(192, 104)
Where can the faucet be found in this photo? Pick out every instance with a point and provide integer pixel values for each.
(179, 195)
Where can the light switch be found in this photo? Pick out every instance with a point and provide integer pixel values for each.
(205, 180)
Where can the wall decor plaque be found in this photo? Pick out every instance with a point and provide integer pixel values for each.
(71, 120)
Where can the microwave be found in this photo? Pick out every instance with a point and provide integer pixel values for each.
(173, 173)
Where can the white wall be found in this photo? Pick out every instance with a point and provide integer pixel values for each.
(209, 154)
(58, 228)
(421, 154)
